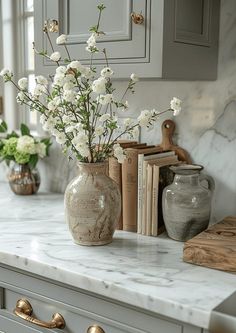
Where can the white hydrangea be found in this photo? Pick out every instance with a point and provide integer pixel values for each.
(119, 153)
(26, 144)
(23, 83)
(104, 117)
(69, 96)
(99, 85)
(106, 72)
(144, 118)
(175, 105)
(105, 99)
(61, 39)
(41, 80)
(134, 77)
(55, 56)
(40, 149)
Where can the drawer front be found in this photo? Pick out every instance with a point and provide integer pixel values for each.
(11, 326)
(79, 310)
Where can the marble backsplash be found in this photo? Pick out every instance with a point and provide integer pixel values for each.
(205, 128)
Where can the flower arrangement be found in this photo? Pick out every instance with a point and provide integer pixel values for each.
(24, 149)
(79, 106)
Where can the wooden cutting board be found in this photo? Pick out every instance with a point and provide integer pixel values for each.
(214, 247)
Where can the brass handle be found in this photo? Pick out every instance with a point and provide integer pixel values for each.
(24, 310)
(51, 25)
(137, 18)
(95, 329)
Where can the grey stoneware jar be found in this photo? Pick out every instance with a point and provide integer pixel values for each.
(186, 203)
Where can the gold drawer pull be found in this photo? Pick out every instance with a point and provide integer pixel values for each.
(24, 310)
(95, 329)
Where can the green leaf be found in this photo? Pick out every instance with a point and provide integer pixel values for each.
(24, 130)
(33, 160)
(13, 134)
(3, 127)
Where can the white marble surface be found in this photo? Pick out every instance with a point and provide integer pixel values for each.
(142, 271)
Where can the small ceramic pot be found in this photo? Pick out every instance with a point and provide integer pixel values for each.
(186, 202)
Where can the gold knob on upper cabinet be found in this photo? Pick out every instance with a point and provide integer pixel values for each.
(95, 329)
(51, 25)
(137, 18)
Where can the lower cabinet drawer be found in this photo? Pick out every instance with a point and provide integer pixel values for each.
(79, 310)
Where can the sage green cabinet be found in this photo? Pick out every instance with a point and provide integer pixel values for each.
(178, 39)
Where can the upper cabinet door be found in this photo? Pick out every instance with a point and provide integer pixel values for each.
(178, 39)
(128, 44)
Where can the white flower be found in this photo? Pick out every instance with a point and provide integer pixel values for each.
(52, 105)
(20, 97)
(69, 78)
(23, 83)
(39, 90)
(99, 85)
(48, 124)
(25, 144)
(105, 99)
(61, 39)
(6, 73)
(175, 105)
(87, 73)
(68, 86)
(43, 119)
(69, 95)
(99, 130)
(76, 65)
(104, 117)
(40, 149)
(81, 138)
(144, 118)
(59, 79)
(92, 40)
(106, 72)
(60, 137)
(119, 153)
(41, 80)
(1, 121)
(61, 70)
(83, 149)
(55, 56)
(66, 119)
(134, 77)
(134, 132)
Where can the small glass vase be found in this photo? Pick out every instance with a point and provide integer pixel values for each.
(92, 205)
(23, 179)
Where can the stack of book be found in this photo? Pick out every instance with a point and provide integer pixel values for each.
(142, 178)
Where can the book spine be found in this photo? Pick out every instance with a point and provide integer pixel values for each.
(140, 193)
(149, 200)
(115, 174)
(155, 200)
(144, 198)
(129, 190)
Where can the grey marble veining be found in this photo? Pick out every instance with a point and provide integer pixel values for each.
(142, 271)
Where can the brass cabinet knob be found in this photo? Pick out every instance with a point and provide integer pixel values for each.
(95, 329)
(137, 18)
(51, 25)
(24, 310)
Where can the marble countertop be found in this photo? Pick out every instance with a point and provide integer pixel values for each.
(142, 271)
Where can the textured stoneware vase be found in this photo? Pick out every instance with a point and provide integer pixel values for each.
(186, 202)
(23, 179)
(92, 205)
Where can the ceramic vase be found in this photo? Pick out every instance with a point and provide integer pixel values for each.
(92, 205)
(23, 179)
(186, 202)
